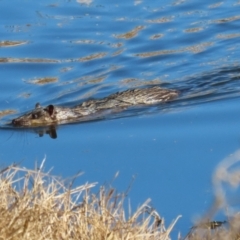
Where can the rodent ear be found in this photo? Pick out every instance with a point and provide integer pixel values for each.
(37, 105)
(50, 109)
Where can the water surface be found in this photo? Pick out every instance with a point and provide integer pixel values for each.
(64, 52)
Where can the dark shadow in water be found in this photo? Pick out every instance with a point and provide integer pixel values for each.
(51, 131)
(40, 131)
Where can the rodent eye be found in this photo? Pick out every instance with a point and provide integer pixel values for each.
(34, 116)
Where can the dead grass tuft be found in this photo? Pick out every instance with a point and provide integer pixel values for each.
(36, 205)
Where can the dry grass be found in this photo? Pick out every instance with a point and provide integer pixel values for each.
(36, 205)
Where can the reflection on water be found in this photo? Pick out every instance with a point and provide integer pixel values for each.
(92, 57)
(26, 60)
(38, 131)
(42, 81)
(162, 20)
(11, 43)
(51, 131)
(133, 33)
(6, 112)
(194, 49)
(84, 1)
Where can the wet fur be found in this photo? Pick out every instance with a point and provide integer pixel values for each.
(51, 114)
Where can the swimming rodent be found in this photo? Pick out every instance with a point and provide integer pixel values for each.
(52, 115)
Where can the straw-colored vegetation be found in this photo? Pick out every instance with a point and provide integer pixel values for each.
(36, 205)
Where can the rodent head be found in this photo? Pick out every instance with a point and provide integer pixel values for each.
(38, 116)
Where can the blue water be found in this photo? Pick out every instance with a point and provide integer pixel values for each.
(94, 48)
